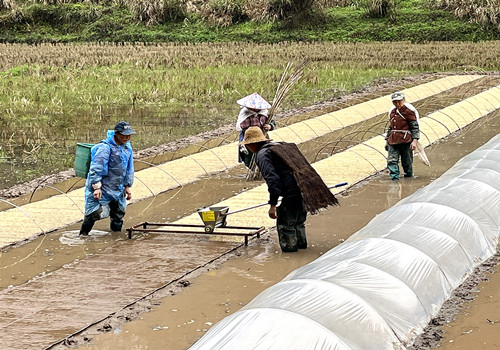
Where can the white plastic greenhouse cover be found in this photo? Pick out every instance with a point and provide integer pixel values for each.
(381, 287)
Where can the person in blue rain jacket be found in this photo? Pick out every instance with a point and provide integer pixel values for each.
(110, 177)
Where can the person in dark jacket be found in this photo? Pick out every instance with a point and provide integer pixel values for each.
(402, 136)
(288, 175)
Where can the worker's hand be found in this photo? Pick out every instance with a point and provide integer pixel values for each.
(267, 127)
(272, 212)
(97, 194)
(414, 144)
(127, 193)
(243, 149)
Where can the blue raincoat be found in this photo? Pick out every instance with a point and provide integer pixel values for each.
(113, 166)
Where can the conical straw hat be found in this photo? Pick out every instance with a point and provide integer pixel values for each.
(254, 101)
(253, 134)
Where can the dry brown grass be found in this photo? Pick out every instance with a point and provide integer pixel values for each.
(282, 9)
(428, 56)
(481, 11)
(381, 8)
(222, 12)
(156, 11)
(7, 4)
(227, 12)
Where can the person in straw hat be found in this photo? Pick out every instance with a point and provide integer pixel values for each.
(253, 112)
(288, 174)
(402, 136)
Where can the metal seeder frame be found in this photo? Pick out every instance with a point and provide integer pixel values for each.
(212, 217)
(155, 227)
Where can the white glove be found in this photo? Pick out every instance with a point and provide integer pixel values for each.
(243, 149)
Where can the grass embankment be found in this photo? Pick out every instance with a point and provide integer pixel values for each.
(53, 96)
(29, 21)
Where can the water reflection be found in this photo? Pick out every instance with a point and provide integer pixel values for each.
(394, 193)
(73, 238)
(46, 145)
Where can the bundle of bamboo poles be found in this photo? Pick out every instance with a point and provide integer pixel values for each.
(288, 79)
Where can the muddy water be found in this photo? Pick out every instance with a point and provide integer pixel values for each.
(49, 252)
(183, 318)
(48, 148)
(477, 326)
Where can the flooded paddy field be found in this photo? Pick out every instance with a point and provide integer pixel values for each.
(171, 205)
(164, 134)
(54, 96)
(176, 322)
(148, 262)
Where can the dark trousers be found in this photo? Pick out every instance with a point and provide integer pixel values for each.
(404, 151)
(115, 215)
(291, 227)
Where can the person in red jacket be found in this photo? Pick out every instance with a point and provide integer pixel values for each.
(402, 136)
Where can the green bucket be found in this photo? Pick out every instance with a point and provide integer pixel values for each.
(82, 159)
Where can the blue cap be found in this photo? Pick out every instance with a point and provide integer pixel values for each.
(124, 128)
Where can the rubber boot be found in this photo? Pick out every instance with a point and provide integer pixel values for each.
(288, 239)
(89, 221)
(116, 226)
(393, 162)
(407, 161)
(116, 215)
(301, 236)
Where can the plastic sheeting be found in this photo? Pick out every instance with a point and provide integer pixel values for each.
(381, 287)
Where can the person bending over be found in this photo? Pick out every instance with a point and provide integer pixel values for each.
(289, 175)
